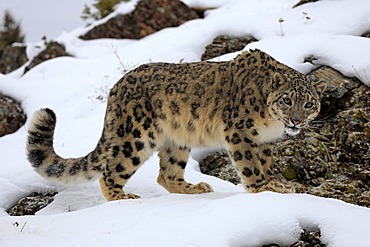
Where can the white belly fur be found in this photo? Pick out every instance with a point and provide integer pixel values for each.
(271, 133)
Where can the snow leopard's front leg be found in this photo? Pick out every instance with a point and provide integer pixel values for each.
(272, 182)
(253, 163)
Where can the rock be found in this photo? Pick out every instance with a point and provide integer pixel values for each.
(218, 164)
(11, 58)
(12, 116)
(52, 50)
(306, 239)
(304, 2)
(200, 11)
(148, 17)
(331, 158)
(224, 44)
(336, 81)
(338, 88)
(309, 239)
(354, 138)
(29, 205)
(307, 165)
(366, 35)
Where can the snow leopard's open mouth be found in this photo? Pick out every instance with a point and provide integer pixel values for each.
(292, 130)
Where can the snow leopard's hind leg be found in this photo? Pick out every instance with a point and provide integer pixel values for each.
(172, 162)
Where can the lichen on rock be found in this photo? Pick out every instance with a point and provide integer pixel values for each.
(12, 57)
(223, 44)
(148, 17)
(30, 204)
(12, 116)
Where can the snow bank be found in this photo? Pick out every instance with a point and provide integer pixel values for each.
(216, 219)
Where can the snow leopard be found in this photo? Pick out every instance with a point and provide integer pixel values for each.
(243, 105)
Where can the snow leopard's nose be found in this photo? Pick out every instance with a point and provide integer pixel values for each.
(295, 122)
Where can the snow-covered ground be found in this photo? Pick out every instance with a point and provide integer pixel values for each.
(76, 87)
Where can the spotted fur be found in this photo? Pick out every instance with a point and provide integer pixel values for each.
(243, 105)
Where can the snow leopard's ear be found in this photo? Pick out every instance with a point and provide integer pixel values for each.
(278, 80)
(318, 84)
(320, 87)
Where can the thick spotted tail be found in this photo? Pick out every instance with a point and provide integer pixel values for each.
(47, 163)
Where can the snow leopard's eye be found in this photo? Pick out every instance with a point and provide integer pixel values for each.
(308, 105)
(287, 101)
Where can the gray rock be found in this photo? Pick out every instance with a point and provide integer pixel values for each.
(52, 50)
(148, 17)
(12, 116)
(29, 205)
(11, 58)
(219, 165)
(224, 44)
(304, 2)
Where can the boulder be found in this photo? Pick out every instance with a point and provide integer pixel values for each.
(148, 17)
(30, 204)
(306, 239)
(52, 50)
(304, 2)
(12, 116)
(309, 239)
(366, 35)
(11, 58)
(224, 44)
(218, 164)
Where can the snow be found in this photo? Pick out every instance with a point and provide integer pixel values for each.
(76, 88)
(215, 219)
